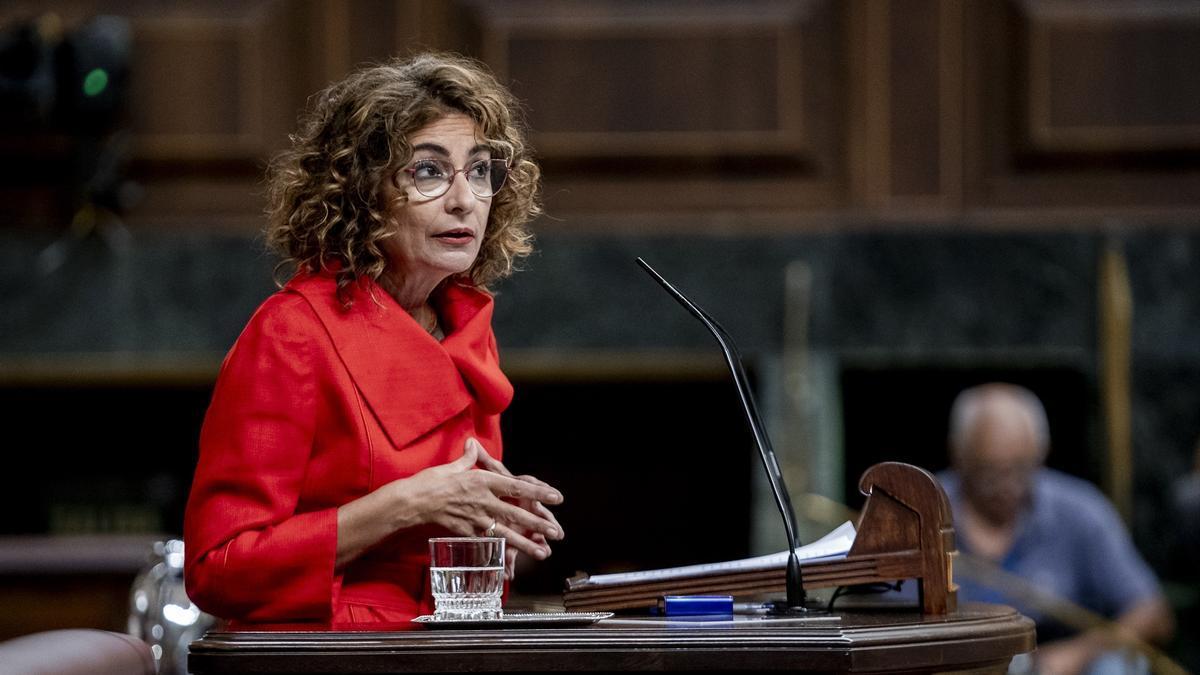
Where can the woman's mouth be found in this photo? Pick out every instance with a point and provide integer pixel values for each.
(456, 236)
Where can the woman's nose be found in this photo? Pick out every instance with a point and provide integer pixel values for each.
(459, 198)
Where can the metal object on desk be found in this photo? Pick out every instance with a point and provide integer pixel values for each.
(160, 612)
(517, 620)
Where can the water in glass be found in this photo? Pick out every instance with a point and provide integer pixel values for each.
(467, 577)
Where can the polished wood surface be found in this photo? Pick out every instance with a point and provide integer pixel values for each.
(977, 638)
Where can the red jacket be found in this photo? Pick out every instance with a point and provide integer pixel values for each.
(316, 406)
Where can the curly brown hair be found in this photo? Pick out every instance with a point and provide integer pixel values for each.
(326, 207)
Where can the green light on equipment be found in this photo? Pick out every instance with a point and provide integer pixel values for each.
(95, 82)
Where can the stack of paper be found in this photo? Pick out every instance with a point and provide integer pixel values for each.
(750, 576)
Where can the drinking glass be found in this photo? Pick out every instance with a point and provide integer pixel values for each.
(467, 577)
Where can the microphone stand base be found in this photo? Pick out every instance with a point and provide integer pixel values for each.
(782, 608)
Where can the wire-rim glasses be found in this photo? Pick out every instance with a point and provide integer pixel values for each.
(433, 177)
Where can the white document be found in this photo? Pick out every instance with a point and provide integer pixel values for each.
(832, 546)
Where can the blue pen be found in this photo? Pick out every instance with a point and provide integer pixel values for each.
(696, 605)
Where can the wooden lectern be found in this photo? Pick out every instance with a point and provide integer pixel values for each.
(978, 639)
(905, 532)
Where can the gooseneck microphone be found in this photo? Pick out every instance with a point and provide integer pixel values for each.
(795, 579)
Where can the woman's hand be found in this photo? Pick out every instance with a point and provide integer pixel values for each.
(457, 497)
(469, 502)
(535, 507)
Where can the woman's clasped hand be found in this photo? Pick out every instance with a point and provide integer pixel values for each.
(476, 493)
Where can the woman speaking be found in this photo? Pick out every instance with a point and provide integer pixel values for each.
(357, 415)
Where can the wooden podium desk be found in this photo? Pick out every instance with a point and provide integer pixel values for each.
(978, 638)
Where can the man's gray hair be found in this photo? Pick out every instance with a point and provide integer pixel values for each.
(964, 414)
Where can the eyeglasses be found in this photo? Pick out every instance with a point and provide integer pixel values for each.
(433, 177)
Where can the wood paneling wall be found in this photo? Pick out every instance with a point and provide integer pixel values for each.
(797, 113)
(1083, 106)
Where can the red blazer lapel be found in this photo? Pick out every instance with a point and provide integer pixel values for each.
(409, 381)
(467, 317)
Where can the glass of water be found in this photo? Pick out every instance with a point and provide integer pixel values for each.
(467, 576)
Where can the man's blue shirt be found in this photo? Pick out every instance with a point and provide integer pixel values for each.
(1070, 542)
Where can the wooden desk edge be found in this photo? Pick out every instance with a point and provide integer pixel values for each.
(980, 637)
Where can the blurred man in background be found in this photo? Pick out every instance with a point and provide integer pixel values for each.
(1053, 530)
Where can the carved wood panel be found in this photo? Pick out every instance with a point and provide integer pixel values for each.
(1076, 107)
(905, 115)
(927, 110)
(1112, 78)
(673, 104)
(199, 86)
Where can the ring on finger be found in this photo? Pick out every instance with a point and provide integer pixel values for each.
(491, 530)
